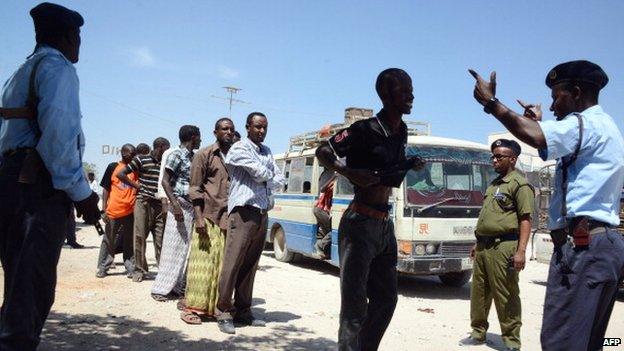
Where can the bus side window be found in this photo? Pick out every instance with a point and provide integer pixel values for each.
(295, 177)
(286, 174)
(344, 186)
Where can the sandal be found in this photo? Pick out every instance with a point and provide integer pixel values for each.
(160, 298)
(190, 318)
(181, 305)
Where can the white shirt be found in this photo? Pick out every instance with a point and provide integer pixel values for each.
(160, 194)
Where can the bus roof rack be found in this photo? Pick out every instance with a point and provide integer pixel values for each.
(309, 140)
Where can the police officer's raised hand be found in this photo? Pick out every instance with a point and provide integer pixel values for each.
(88, 208)
(362, 177)
(519, 260)
(484, 91)
(531, 111)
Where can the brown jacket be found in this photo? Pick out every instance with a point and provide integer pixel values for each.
(209, 184)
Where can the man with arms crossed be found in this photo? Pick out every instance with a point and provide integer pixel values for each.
(253, 177)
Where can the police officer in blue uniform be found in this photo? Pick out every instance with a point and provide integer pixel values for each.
(588, 259)
(41, 146)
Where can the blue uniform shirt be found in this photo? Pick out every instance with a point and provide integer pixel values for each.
(596, 178)
(62, 143)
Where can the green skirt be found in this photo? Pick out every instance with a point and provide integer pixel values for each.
(203, 270)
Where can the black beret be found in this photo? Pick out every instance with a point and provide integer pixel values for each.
(577, 71)
(511, 144)
(50, 17)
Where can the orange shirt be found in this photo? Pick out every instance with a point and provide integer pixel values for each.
(121, 197)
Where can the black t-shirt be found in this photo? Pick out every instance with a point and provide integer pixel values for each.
(366, 145)
(106, 181)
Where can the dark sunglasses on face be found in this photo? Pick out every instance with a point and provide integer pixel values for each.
(498, 157)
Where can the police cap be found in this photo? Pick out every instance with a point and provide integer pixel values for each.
(577, 71)
(510, 144)
(50, 17)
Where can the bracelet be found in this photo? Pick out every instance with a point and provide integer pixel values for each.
(490, 105)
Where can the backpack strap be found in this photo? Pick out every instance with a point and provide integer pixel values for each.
(565, 164)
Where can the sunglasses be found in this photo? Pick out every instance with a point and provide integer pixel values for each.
(498, 157)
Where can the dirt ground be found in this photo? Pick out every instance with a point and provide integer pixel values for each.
(299, 301)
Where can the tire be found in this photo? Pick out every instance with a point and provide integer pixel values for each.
(456, 279)
(280, 249)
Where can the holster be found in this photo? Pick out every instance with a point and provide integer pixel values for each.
(33, 169)
(580, 231)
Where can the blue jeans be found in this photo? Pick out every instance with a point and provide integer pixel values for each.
(33, 223)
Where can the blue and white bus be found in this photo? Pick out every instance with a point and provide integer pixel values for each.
(434, 211)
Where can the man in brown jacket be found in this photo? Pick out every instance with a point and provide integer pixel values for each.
(208, 191)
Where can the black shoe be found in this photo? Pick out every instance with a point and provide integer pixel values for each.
(250, 321)
(471, 341)
(226, 326)
(75, 245)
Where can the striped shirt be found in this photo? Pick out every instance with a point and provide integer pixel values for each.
(179, 162)
(148, 168)
(253, 175)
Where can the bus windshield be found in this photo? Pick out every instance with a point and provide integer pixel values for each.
(453, 177)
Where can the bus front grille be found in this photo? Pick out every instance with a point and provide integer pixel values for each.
(455, 249)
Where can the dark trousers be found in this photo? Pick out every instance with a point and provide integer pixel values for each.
(323, 234)
(118, 229)
(70, 235)
(243, 246)
(582, 287)
(148, 217)
(33, 223)
(368, 280)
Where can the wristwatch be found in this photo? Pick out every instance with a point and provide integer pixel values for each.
(487, 108)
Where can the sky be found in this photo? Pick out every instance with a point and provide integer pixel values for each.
(148, 67)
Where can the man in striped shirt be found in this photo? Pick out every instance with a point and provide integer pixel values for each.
(254, 176)
(148, 216)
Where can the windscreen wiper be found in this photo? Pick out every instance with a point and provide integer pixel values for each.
(423, 209)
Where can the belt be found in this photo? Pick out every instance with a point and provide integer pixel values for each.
(580, 230)
(489, 240)
(368, 211)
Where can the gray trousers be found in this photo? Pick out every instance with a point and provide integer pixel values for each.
(118, 229)
(148, 217)
(33, 223)
(581, 291)
(323, 234)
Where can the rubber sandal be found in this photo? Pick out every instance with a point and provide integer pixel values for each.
(160, 298)
(181, 305)
(190, 318)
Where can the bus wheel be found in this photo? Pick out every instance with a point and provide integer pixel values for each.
(280, 249)
(455, 279)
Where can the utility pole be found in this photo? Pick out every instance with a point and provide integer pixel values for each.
(231, 99)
